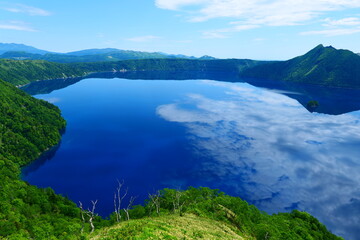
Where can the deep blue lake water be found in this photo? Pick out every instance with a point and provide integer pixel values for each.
(247, 141)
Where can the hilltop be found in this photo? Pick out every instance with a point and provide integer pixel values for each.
(209, 214)
(322, 65)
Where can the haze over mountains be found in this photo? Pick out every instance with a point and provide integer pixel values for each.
(23, 52)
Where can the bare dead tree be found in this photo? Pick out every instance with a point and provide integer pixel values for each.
(90, 213)
(177, 203)
(118, 199)
(155, 200)
(82, 217)
(126, 210)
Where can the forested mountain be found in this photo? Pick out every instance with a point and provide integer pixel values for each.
(28, 127)
(23, 72)
(20, 72)
(322, 65)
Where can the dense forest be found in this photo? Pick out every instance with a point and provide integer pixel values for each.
(27, 128)
(20, 72)
(23, 72)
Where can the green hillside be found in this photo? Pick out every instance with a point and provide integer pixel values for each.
(189, 226)
(28, 127)
(233, 65)
(322, 65)
(203, 213)
(19, 72)
(23, 72)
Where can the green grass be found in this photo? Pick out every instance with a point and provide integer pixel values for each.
(188, 226)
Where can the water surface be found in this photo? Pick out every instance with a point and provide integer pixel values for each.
(250, 142)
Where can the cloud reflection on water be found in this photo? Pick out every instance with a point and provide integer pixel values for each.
(271, 151)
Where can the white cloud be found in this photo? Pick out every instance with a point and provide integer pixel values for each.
(273, 12)
(219, 33)
(146, 38)
(22, 8)
(16, 25)
(351, 21)
(222, 33)
(332, 32)
(176, 4)
(337, 27)
(268, 148)
(261, 12)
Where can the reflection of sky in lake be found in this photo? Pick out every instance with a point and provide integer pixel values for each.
(250, 142)
(271, 151)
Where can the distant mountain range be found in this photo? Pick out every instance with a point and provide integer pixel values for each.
(322, 65)
(9, 47)
(22, 52)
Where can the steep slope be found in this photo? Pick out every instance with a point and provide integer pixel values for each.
(20, 72)
(23, 72)
(27, 128)
(228, 65)
(322, 65)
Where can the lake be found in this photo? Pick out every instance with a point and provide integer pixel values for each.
(258, 143)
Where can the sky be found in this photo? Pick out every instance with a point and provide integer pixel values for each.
(255, 29)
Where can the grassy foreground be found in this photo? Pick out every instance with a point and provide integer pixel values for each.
(188, 226)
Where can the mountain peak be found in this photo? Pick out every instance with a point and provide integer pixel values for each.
(322, 65)
(11, 47)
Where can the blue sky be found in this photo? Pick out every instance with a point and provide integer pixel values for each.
(256, 29)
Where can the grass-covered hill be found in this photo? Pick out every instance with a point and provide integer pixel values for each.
(203, 213)
(188, 226)
(322, 65)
